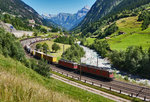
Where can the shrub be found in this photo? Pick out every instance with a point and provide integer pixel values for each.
(74, 53)
(111, 29)
(43, 68)
(38, 46)
(45, 47)
(9, 46)
(55, 47)
(102, 47)
(145, 17)
(65, 40)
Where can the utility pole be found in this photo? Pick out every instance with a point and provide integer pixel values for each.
(80, 69)
(97, 61)
(63, 48)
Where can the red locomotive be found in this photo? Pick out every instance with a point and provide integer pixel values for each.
(68, 64)
(102, 72)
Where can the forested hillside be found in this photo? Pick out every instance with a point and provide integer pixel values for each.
(17, 13)
(19, 8)
(99, 10)
(126, 8)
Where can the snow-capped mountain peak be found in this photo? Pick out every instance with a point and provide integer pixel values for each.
(68, 20)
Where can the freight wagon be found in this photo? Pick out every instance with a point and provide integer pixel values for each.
(50, 59)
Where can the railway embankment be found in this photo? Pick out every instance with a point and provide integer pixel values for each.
(98, 92)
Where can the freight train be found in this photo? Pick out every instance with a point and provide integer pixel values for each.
(102, 72)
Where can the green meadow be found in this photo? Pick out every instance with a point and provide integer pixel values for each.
(133, 36)
(59, 52)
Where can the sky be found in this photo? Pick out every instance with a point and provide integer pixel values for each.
(58, 6)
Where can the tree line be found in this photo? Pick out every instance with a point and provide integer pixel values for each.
(18, 23)
(101, 47)
(65, 40)
(11, 47)
(134, 60)
(145, 17)
(44, 47)
(74, 53)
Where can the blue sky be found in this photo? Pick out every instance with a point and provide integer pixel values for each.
(58, 6)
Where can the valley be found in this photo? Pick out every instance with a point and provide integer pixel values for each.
(85, 55)
(66, 20)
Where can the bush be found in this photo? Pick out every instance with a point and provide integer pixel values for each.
(43, 68)
(74, 53)
(38, 46)
(126, 78)
(40, 67)
(43, 30)
(45, 48)
(35, 34)
(9, 46)
(102, 47)
(111, 29)
(65, 40)
(55, 47)
(145, 17)
(55, 29)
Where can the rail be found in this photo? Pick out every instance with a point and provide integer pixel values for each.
(143, 93)
(111, 88)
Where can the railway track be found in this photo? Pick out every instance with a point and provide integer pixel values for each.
(122, 87)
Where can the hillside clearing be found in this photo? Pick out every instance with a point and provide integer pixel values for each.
(124, 41)
(134, 36)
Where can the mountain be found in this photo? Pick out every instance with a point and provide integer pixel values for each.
(104, 12)
(68, 20)
(20, 9)
(99, 10)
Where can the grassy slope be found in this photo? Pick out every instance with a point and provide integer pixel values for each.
(19, 83)
(90, 40)
(133, 35)
(58, 53)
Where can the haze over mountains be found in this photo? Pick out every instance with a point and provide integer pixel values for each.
(67, 20)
